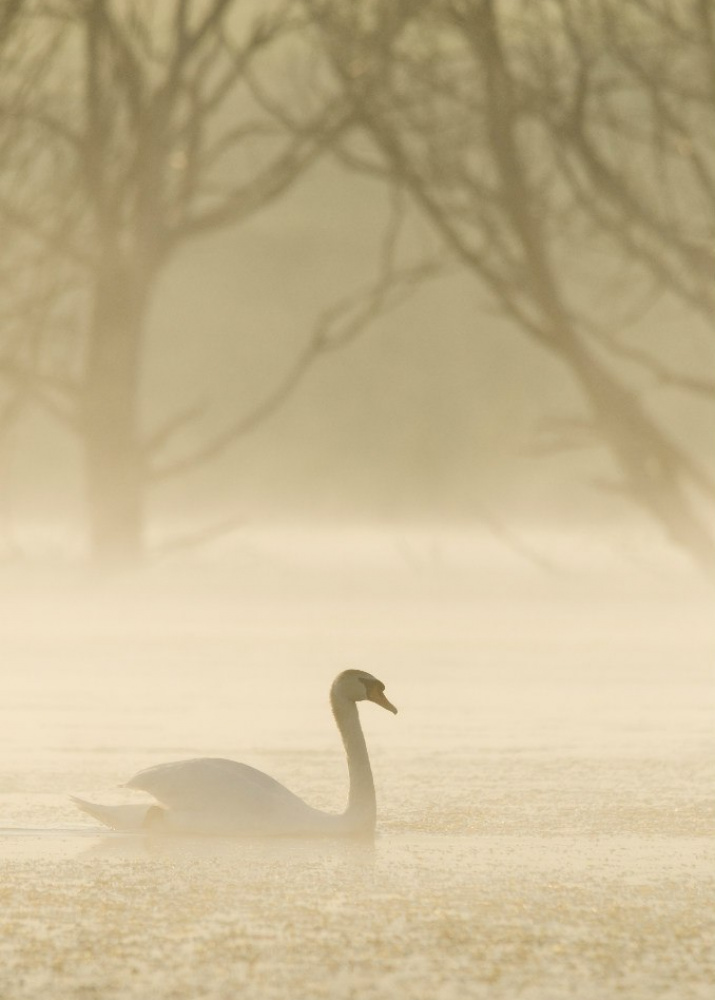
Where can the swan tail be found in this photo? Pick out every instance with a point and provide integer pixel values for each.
(134, 817)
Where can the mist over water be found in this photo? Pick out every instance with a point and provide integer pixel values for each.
(544, 794)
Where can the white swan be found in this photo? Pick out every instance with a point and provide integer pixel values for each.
(216, 796)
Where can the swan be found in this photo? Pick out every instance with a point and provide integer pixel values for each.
(211, 795)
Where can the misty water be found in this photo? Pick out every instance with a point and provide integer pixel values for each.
(545, 794)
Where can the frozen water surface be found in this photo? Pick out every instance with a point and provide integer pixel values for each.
(545, 795)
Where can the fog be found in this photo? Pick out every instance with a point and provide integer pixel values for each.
(433, 414)
(374, 340)
(544, 793)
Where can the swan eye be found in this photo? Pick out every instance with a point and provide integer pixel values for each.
(372, 685)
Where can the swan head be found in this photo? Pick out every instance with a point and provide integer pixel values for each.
(358, 685)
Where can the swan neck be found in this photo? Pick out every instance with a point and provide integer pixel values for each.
(361, 809)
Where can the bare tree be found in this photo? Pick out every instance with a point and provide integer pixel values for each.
(18, 300)
(494, 118)
(134, 131)
(636, 133)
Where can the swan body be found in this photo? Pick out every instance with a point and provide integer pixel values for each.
(211, 795)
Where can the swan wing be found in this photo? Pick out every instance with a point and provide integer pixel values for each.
(219, 792)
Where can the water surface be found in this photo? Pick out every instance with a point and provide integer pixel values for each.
(545, 793)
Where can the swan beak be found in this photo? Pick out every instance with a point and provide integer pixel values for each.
(378, 696)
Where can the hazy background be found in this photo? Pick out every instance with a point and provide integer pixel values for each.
(428, 418)
(440, 411)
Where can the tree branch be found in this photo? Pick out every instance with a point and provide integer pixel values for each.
(195, 539)
(336, 328)
(245, 199)
(162, 436)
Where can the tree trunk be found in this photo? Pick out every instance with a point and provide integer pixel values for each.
(112, 449)
(655, 469)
